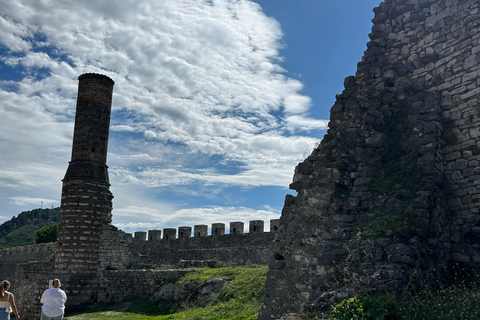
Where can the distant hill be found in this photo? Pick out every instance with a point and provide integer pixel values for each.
(20, 230)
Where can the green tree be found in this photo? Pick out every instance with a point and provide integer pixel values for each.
(46, 234)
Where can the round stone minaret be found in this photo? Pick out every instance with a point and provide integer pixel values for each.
(86, 205)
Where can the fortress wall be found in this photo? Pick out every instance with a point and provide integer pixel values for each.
(243, 249)
(237, 247)
(121, 251)
(82, 291)
(33, 279)
(10, 257)
(237, 227)
(120, 285)
(115, 250)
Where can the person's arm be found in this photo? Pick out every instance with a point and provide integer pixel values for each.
(42, 299)
(14, 307)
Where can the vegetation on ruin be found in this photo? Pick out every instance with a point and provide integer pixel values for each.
(359, 308)
(446, 297)
(394, 188)
(21, 229)
(239, 300)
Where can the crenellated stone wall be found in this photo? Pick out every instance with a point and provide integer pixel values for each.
(122, 251)
(393, 189)
(242, 249)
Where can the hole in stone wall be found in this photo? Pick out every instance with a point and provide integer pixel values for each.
(389, 83)
(279, 257)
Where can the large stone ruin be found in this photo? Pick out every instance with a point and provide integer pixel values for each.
(392, 192)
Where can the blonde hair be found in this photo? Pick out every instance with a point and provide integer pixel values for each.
(56, 283)
(3, 287)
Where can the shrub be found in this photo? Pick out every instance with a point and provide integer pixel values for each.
(46, 234)
(359, 308)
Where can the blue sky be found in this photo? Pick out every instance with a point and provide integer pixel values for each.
(215, 101)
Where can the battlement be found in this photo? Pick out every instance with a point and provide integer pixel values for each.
(217, 229)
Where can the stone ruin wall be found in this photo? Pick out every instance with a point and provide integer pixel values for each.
(110, 286)
(31, 281)
(10, 257)
(393, 189)
(147, 282)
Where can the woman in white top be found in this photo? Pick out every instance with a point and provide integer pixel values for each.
(53, 300)
(7, 302)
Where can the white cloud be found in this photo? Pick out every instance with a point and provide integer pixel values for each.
(21, 201)
(299, 122)
(200, 95)
(150, 134)
(297, 104)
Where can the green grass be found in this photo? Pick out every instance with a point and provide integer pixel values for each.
(239, 300)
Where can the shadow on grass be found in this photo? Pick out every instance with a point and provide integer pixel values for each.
(137, 305)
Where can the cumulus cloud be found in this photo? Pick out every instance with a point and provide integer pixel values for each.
(200, 95)
(21, 201)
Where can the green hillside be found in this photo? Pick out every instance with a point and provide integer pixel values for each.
(20, 230)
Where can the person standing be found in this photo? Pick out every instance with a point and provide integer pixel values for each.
(7, 302)
(53, 300)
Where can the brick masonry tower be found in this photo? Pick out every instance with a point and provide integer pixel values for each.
(86, 203)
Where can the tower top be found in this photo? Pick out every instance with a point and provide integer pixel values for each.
(92, 121)
(95, 75)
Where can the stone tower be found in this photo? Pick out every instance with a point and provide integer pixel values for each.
(86, 203)
(393, 190)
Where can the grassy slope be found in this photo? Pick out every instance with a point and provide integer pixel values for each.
(239, 300)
